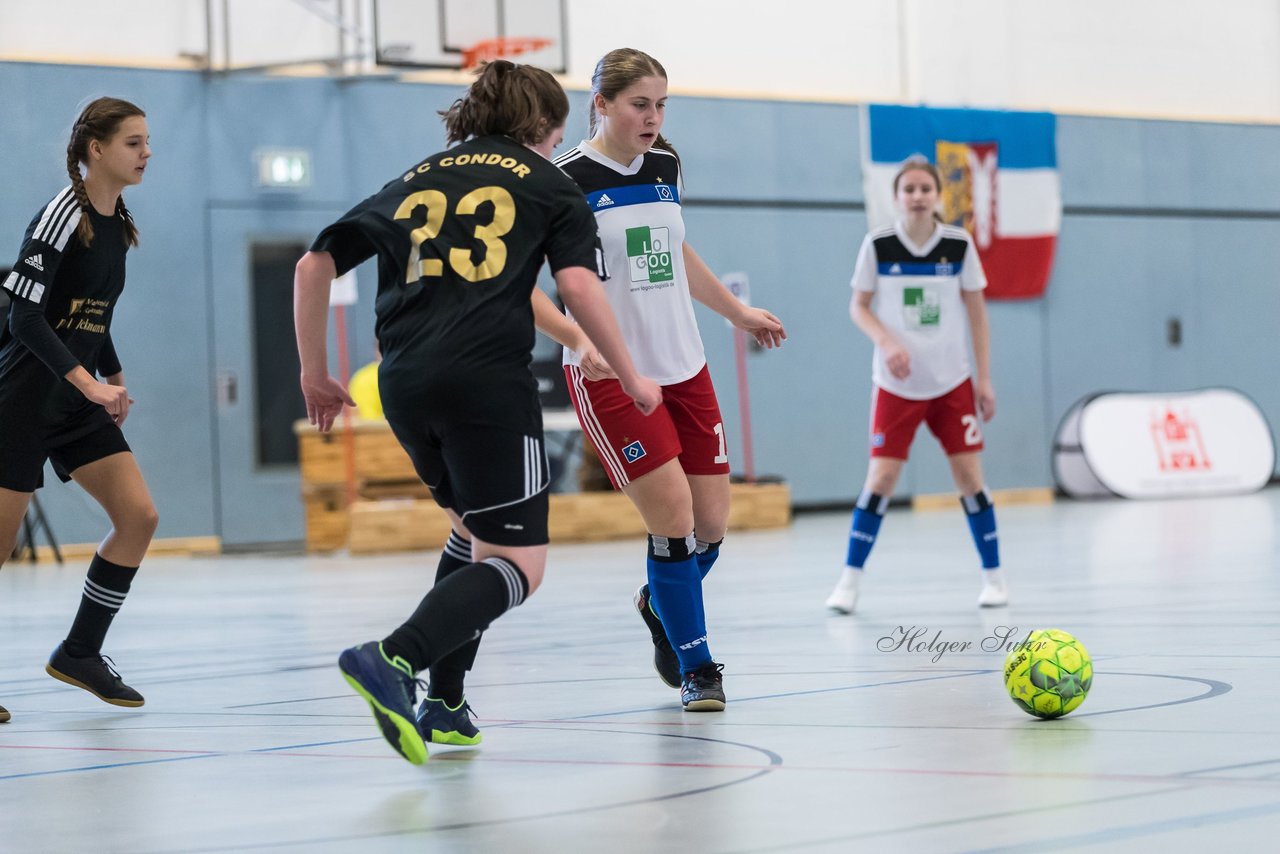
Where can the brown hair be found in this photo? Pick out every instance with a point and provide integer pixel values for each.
(520, 101)
(100, 120)
(917, 163)
(617, 70)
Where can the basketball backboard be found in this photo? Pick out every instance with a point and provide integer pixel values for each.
(435, 33)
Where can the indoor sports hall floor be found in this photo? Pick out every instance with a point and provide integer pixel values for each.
(251, 741)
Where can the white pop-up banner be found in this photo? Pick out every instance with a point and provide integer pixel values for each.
(1208, 442)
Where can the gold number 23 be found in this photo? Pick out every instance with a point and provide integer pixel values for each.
(436, 204)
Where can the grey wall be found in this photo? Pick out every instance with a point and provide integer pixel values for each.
(1163, 219)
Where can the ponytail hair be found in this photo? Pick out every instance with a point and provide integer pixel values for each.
(520, 101)
(617, 70)
(100, 120)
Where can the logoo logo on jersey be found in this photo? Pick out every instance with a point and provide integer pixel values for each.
(35, 262)
(634, 451)
(649, 254)
(921, 307)
(604, 201)
(664, 192)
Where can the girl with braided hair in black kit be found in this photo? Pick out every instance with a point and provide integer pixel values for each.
(64, 287)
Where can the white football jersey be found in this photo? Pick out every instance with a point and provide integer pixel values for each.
(637, 208)
(918, 300)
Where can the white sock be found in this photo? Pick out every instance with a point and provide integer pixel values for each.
(993, 577)
(850, 577)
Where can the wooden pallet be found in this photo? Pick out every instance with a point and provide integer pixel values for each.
(1006, 497)
(394, 510)
(411, 525)
(377, 455)
(328, 515)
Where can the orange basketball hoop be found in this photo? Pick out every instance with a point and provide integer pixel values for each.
(500, 48)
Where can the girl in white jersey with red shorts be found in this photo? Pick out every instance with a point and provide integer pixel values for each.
(925, 281)
(673, 465)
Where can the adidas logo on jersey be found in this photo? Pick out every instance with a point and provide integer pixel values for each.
(605, 201)
(35, 262)
(895, 270)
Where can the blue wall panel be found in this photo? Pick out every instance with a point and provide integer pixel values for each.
(1163, 220)
(160, 328)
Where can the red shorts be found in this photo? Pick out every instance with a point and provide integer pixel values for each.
(686, 426)
(953, 418)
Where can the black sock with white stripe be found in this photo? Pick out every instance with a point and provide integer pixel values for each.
(449, 672)
(457, 611)
(104, 590)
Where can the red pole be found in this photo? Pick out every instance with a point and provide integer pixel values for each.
(744, 403)
(348, 433)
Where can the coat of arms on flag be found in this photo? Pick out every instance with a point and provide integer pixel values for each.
(999, 182)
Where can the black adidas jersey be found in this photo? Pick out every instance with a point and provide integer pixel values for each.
(77, 287)
(460, 239)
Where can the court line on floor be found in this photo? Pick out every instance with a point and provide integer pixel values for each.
(1216, 689)
(1231, 767)
(775, 761)
(805, 693)
(646, 677)
(792, 845)
(1134, 831)
(304, 750)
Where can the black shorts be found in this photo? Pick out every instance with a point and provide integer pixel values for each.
(68, 447)
(484, 459)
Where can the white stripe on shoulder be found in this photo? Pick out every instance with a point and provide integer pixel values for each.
(53, 212)
(572, 154)
(955, 231)
(67, 229)
(670, 154)
(883, 231)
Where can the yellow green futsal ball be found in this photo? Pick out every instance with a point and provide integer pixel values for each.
(1048, 674)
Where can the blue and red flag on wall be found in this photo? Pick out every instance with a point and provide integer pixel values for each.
(1000, 182)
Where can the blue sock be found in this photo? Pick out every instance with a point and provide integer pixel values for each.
(982, 524)
(675, 588)
(707, 554)
(867, 516)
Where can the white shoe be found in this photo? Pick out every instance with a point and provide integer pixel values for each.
(845, 597)
(995, 593)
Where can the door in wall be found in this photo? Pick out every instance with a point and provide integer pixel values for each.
(253, 252)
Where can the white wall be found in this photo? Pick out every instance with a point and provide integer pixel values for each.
(145, 31)
(1174, 58)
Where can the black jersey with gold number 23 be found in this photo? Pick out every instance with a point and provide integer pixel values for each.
(460, 239)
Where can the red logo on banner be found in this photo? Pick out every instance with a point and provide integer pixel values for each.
(1179, 445)
(968, 173)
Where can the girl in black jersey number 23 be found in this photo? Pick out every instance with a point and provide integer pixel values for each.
(64, 287)
(460, 238)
